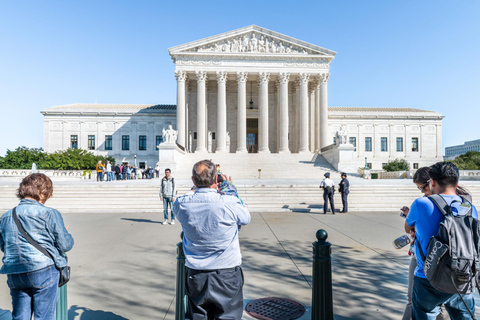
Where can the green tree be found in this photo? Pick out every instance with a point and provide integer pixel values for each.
(397, 165)
(73, 159)
(22, 158)
(468, 161)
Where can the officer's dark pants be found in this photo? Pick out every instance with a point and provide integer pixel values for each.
(215, 294)
(344, 202)
(328, 196)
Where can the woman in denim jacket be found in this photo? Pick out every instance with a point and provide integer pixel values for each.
(32, 276)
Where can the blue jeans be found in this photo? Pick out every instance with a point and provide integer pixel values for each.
(426, 302)
(34, 293)
(99, 176)
(166, 202)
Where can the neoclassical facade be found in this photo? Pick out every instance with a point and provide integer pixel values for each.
(255, 90)
(250, 90)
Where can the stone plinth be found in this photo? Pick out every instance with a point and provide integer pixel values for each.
(341, 157)
(168, 156)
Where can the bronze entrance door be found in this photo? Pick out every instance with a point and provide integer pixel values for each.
(252, 135)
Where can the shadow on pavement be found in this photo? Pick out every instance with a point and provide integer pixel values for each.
(88, 314)
(366, 284)
(142, 220)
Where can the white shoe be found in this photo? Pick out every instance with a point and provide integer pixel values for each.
(173, 222)
(165, 222)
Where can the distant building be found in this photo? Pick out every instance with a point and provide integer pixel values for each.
(455, 151)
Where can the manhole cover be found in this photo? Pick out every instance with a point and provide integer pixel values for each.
(275, 309)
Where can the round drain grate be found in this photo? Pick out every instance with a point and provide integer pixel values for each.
(275, 309)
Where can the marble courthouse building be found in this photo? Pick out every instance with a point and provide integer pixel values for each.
(250, 90)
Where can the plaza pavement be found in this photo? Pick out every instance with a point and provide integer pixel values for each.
(123, 266)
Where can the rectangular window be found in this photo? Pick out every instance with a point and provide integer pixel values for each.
(383, 165)
(74, 141)
(125, 142)
(369, 165)
(142, 143)
(368, 143)
(158, 140)
(194, 135)
(383, 144)
(399, 144)
(108, 142)
(91, 142)
(415, 165)
(353, 141)
(415, 144)
(213, 135)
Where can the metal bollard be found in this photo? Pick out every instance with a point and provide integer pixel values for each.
(180, 303)
(322, 297)
(61, 310)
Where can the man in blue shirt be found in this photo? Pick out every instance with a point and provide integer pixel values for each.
(424, 218)
(210, 223)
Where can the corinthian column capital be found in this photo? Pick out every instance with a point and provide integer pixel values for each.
(180, 75)
(324, 77)
(304, 77)
(284, 77)
(221, 76)
(263, 77)
(201, 76)
(242, 76)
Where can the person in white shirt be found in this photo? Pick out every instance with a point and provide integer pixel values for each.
(328, 187)
(109, 171)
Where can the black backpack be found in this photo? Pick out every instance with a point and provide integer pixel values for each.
(452, 261)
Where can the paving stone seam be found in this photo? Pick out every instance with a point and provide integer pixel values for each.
(289, 256)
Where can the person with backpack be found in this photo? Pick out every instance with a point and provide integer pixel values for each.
(167, 195)
(434, 218)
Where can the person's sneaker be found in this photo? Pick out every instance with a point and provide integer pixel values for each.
(165, 222)
(173, 222)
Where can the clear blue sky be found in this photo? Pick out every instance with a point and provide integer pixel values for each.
(419, 54)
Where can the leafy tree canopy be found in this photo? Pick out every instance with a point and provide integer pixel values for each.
(397, 165)
(468, 161)
(70, 159)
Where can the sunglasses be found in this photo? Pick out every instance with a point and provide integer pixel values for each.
(423, 188)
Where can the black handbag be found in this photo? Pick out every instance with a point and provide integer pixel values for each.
(64, 271)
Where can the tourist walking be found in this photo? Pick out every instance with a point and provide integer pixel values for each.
(424, 219)
(344, 189)
(99, 169)
(328, 187)
(32, 276)
(167, 195)
(118, 172)
(109, 171)
(210, 223)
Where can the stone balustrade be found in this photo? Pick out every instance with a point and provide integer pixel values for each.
(73, 174)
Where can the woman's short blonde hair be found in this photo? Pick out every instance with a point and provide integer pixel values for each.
(34, 186)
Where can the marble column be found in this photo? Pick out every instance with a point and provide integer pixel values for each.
(439, 140)
(317, 116)
(201, 111)
(242, 112)
(324, 139)
(283, 123)
(221, 112)
(296, 90)
(311, 115)
(181, 75)
(263, 78)
(304, 113)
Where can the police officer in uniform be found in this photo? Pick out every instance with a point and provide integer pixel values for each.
(344, 189)
(328, 187)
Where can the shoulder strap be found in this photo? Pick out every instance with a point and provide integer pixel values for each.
(27, 236)
(440, 203)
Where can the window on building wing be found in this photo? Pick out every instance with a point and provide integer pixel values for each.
(125, 142)
(368, 143)
(91, 142)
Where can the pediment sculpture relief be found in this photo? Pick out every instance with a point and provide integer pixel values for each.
(252, 43)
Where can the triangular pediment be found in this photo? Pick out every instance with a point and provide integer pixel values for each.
(251, 40)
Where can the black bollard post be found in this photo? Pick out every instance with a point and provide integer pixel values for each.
(180, 303)
(322, 297)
